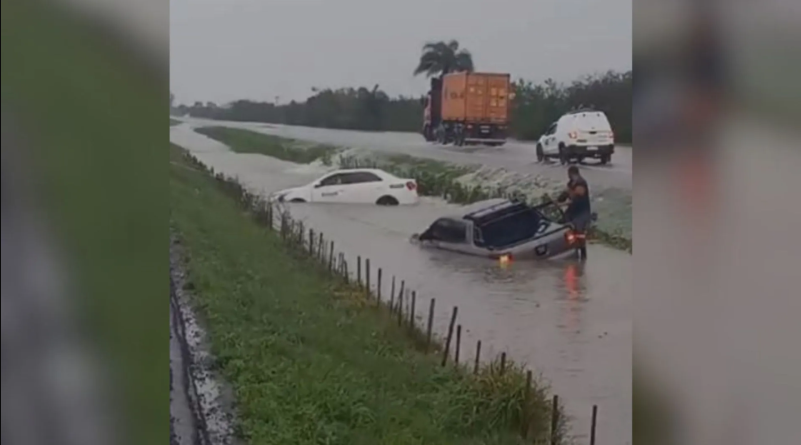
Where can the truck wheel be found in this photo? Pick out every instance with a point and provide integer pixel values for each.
(605, 159)
(540, 154)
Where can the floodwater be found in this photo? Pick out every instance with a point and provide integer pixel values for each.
(515, 156)
(568, 321)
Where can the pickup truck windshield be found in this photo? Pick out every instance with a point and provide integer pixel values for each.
(511, 229)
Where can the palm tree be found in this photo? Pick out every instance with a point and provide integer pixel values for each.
(442, 58)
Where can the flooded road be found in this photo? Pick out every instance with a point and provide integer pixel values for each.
(514, 156)
(570, 322)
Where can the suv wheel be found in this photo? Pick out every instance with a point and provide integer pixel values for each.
(605, 159)
(562, 155)
(540, 154)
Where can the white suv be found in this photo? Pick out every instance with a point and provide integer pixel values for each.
(576, 136)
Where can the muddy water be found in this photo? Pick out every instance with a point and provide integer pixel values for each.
(570, 322)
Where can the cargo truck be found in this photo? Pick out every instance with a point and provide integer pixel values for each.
(468, 108)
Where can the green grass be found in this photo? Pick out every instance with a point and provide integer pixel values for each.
(88, 113)
(246, 141)
(308, 360)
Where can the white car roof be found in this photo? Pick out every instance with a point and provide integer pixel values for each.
(359, 170)
(375, 171)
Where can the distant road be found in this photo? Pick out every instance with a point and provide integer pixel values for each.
(515, 156)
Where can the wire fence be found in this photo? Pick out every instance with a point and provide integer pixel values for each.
(367, 282)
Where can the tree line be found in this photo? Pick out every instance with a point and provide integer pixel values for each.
(533, 108)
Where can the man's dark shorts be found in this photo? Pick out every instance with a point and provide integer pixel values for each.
(581, 221)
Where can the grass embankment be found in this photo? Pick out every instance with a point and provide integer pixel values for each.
(246, 141)
(309, 361)
(97, 164)
(434, 178)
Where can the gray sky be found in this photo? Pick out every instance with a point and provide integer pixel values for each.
(222, 50)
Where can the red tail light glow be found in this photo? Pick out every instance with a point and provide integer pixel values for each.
(411, 185)
(572, 237)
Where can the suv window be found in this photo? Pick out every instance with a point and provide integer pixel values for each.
(332, 180)
(551, 129)
(360, 178)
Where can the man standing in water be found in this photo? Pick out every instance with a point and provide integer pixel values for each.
(578, 211)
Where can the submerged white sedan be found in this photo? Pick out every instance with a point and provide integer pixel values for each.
(356, 186)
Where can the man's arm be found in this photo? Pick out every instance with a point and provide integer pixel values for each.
(579, 190)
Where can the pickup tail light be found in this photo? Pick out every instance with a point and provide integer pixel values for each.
(573, 237)
(411, 185)
(572, 135)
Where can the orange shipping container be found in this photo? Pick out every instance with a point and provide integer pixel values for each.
(476, 97)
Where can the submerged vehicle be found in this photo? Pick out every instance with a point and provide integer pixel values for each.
(354, 186)
(505, 230)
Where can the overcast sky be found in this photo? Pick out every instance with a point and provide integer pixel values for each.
(223, 50)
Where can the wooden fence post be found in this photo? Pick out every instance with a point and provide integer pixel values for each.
(450, 335)
(478, 355)
(555, 420)
(359, 271)
(300, 234)
(412, 310)
(392, 296)
(402, 286)
(458, 344)
(430, 323)
(526, 404)
(367, 276)
(378, 289)
(400, 309)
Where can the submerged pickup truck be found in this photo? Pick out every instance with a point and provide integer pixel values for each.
(506, 229)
